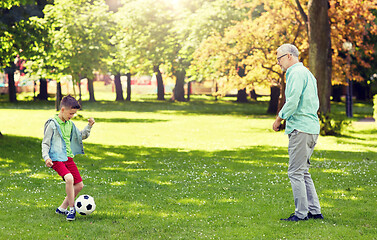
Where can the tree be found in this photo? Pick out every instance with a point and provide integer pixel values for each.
(253, 42)
(8, 4)
(18, 35)
(196, 21)
(368, 71)
(147, 30)
(245, 55)
(44, 64)
(330, 24)
(122, 50)
(118, 62)
(320, 54)
(79, 32)
(7, 40)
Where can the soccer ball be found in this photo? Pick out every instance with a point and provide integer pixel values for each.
(85, 204)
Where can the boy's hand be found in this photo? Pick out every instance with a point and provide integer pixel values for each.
(49, 162)
(91, 121)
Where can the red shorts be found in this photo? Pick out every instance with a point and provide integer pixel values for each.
(69, 166)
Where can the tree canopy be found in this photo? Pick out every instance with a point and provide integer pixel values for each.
(231, 42)
(250, 44)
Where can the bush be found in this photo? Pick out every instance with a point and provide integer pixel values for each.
(331, 125)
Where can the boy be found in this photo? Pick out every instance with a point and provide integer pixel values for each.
(61, 142)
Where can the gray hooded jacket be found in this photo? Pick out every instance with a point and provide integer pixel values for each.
(53, 145)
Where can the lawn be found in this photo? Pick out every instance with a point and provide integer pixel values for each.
(197, 170)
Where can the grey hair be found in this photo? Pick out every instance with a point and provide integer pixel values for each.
(289, 48)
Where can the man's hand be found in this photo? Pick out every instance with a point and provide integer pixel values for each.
(49, 163)
(91, 121)
(277, 123)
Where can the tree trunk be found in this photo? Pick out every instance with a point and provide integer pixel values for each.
(188, 90)
(242, 96)
(128, 86)
(282, 91)
(58, 96)
(35, 84)
(337, 92)
(216, 89)
(118, 88)
(320, 62)
(253, 95)
(90, 89)
(160, 83)
(179, 90)
(277, 98)
(43, 89)
(79, 85)
(273, 105)
(11, 84)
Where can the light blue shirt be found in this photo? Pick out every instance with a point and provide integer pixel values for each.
(301, 101)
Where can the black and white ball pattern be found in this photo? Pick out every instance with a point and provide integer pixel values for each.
(85, 205)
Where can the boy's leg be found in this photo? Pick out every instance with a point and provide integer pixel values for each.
(69, 189)
(77, 188)
(77, 181)
(62, 170)
(73, 182)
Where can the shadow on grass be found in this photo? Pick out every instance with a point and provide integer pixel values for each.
(370, 131)
(257, 109)
(360, 142)
(123, 120)
(182, 189)
(368, 135)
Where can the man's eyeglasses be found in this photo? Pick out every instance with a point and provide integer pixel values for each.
(282, 56)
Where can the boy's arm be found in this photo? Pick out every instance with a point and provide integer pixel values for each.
(46, 143)
(86, 131)
(49, 163)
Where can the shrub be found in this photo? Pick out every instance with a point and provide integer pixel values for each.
(331, 125)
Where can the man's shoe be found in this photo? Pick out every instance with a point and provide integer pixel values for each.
(62, 212)
(71, 215)
(315, 216)
(294, 218)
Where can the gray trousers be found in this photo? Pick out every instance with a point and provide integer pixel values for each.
(300, 149)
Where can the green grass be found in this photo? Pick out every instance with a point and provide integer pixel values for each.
(197, 170)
